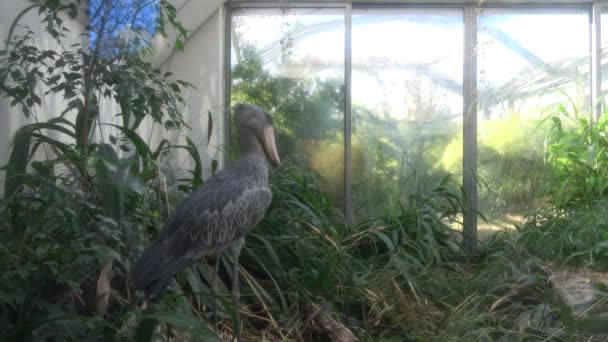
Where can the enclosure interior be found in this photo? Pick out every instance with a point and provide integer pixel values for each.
(368, 95)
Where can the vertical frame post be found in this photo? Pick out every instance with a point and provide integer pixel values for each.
(596, 61)
(227, 84)
(470, 129)
(348, 207)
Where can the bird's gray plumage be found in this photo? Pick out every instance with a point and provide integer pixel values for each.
(211, 218)
(225, 209)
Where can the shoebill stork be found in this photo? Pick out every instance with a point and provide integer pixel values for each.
(218, 215)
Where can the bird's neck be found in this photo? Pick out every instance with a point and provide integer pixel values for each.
(252, 155)
(250, 147)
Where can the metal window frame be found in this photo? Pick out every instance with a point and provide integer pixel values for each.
(227, 83)
(471, 15)
(286, 4)
(469, 230)
(596, 60)
(347, 81)
(348, 181)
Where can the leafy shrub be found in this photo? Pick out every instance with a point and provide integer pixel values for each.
(578, 157)
(54, 237)
(71, 223)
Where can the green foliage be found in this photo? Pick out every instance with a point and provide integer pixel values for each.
(390, 277)
(511, 288)
(185, 322)
(90, 202)
(82, 77)
(426, 139)
(73, 204)
(57, 236)
(304, 254)
(394, 277)
(511, 168)
(506, 298)
(578, 157)
(308, 118)
(303, 109)
(46, 230)
(308, 115)
(573, 229)
(577, 236)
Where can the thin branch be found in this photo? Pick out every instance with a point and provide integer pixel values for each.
(16, 21)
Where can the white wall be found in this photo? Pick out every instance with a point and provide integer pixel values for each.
(200, 64)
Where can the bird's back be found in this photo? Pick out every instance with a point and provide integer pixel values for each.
(223, 210)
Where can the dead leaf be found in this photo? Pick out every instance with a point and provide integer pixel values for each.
(103, 288)
(331, 329)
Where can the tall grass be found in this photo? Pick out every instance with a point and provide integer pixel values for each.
(304, 254)
(388, 278)
(577, 237)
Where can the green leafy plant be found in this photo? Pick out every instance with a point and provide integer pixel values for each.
(578, 157)
(82, 76)
(77, 209)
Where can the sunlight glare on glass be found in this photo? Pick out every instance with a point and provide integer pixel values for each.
(509, 38)
(422, 48)
(309, 38)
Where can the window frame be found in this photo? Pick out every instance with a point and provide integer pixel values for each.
(471, 18)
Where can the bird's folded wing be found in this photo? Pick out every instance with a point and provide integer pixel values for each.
(224, 209)
(213, 218)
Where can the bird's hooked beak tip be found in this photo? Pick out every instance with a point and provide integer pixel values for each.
(270, 147)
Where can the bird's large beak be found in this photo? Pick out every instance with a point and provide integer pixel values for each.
(270, 147)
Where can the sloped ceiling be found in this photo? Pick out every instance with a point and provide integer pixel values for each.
(192, 14)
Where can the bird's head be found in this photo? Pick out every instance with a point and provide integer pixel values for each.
(250, 118)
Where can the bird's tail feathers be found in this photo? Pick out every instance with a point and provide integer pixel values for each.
(151, 273)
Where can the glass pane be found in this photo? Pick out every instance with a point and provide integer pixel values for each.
(529, 61)
(290, 62)
(407, 101)
(604, 48)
